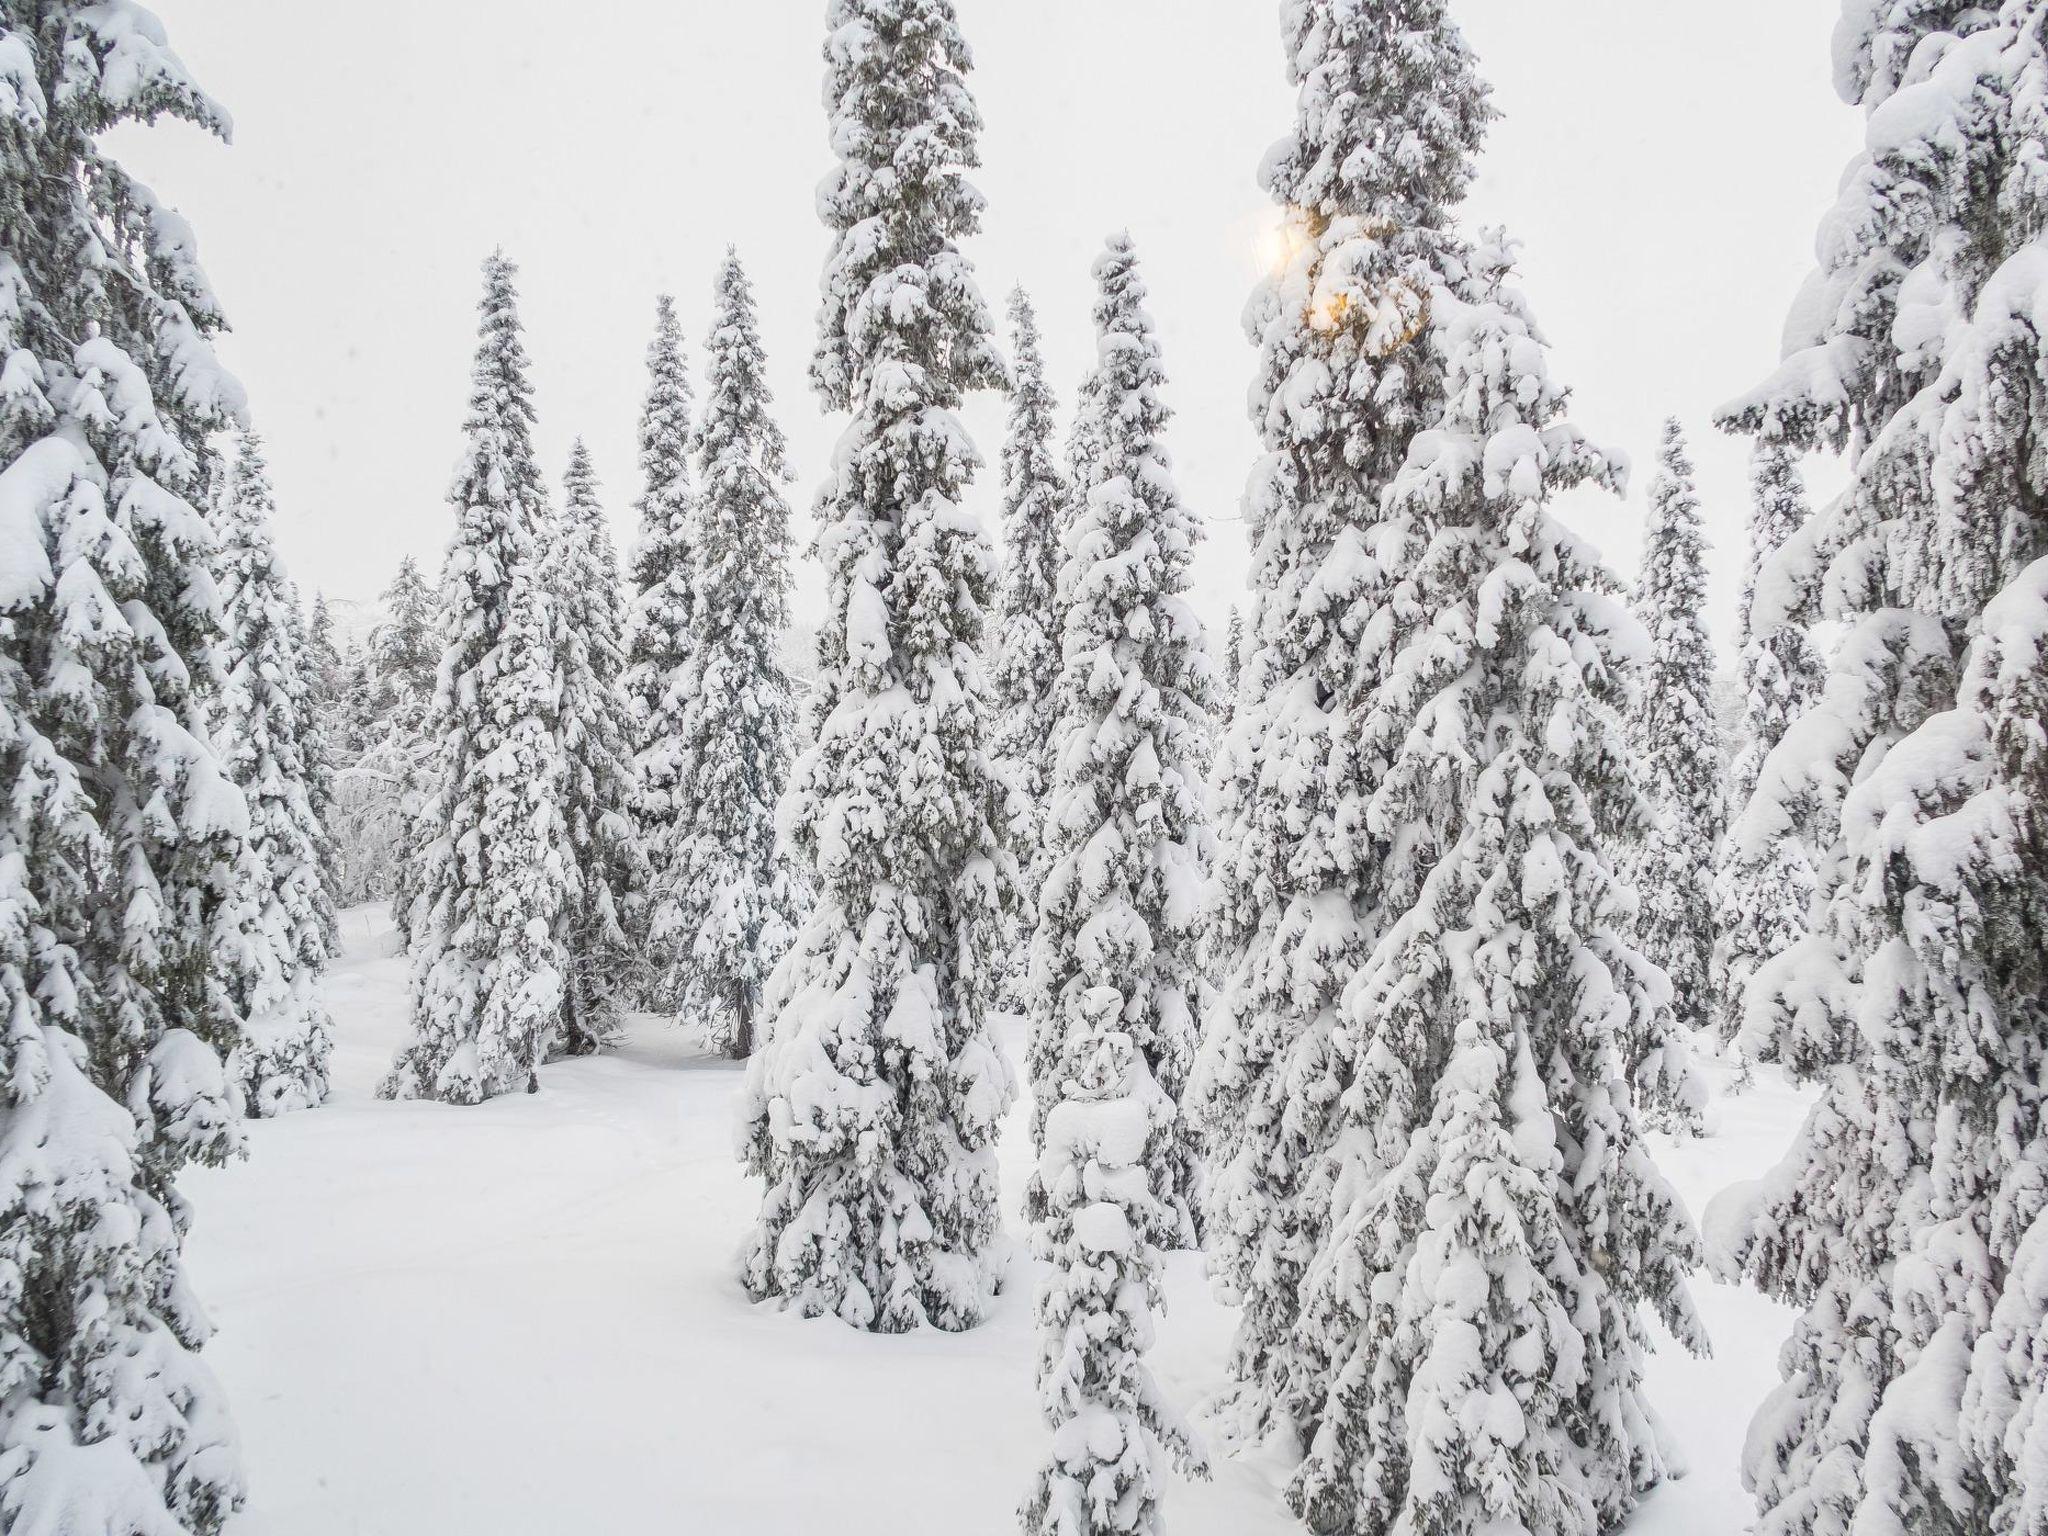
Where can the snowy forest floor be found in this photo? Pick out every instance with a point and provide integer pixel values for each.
(522, 1318)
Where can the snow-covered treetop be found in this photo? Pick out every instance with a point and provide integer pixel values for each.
(584, 547)
(1390, 113)
(1129, 375)
(497, 464)
(739, 440)
(898, 204)
(405, 645)
(664, 504)
(1672, 585)
(1034, 490)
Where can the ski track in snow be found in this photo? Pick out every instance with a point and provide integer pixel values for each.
(523, 1316)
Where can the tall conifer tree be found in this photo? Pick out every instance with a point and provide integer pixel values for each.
(1127, 844)
(125, 910)
(1765, 881)
(1907, 1220)
(1678, 741)
(872, 1111)
(488, 965)
(1434, 1028)
(327, 680)
(1296, 898)
(404, 653)
(263, 723)
(1114, 978)
(736, 894)
(1027, 640)
(659, 633)
(379, 795)
(580, 575)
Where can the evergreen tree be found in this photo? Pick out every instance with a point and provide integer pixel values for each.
(579, 572)
(326, 675)
(1027, 641)
(1102, 1235)
(1335, 405)
(1435, 1027)
(404, 648)
(1233, 662)
(1127, 845)
(738, 727)
(125, 911)
(1506, 1223)
(317, 752)
(1907, 1219)
(1085, 434)
(355, 711)
(378, 794)
(1765, 880)
(495, 860)
(872, 1111)
(1677, 740)
(659, 634)
(262, 721)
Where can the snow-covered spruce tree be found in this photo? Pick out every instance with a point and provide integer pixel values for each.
(327, 680)
(580, 574)
(404, 658)
(2004, 1440)
(1082, 430)
(1102, 1234)
(1340, 392)
(378, 795)
(1906, 1218)
(872, 1111)
(124, 917)
(1027, 642)
(494, 856)
(261, 722)
(1431, 1189)
(1127, 843)
(659, 630)
(1233, 661)
(1676, 739)
(735, 894)
(1503, 1224)
(317, 753)
(405, 652)
(1765, 880)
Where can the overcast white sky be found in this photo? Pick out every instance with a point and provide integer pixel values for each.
(1663, 164)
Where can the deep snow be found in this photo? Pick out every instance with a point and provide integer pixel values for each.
(522, 1318)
